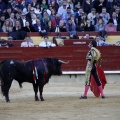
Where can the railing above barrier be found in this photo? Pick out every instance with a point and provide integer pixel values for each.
(2, 34)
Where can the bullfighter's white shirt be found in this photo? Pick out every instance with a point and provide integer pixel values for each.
(27, 44)
(46, 44)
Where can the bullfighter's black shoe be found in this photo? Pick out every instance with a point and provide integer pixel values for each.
(83, 97)
(103, 97)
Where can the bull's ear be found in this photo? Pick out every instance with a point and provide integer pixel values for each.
(61, 61)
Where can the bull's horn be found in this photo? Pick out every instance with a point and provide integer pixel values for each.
(63, 62)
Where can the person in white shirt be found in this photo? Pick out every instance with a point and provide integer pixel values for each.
(46, 43)
(28, 42)
(62, 9)
(92, 14)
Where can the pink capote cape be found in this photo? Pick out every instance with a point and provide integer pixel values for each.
(93, 85)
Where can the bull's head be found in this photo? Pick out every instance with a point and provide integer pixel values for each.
(61, 61)
(57, 70)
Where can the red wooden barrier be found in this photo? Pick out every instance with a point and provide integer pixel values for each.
(76, 55)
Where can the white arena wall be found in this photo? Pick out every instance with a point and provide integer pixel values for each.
(79, 77)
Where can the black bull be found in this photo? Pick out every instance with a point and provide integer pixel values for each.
(36, 72)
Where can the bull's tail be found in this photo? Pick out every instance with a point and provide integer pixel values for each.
(1, 80)
(20, 85)
(2, 85)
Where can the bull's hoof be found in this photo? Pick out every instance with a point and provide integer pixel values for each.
(7, 101)
(103, 97)
(36, 99)
(42, 99)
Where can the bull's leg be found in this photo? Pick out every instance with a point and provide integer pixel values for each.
(6, 88)
(35, 87)
(41, 90)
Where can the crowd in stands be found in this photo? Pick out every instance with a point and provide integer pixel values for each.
(70, 16)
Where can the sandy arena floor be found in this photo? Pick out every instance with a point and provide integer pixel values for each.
(61, 103)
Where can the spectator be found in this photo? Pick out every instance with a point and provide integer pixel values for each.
(62, 9)
(70, 27)
(72, 17)
(100, 42)
(117, 43)
(27, 42)
(49, 1)
(50, 8)
(53, 14)
(16, 5)
(28, 27)
(46, 10)
(45, 19)
(103, 35)
(28, 1)
(62, 26)
(50, 27)
(96, 19)
(59, 39)
(87, 36)
(17, 26)
(84, 18)
(78, 5)
(70, 4)
(104, 14)
(92, 14)
(115, 19)
(38, 26)
(87, 6)
(34, 3)
(56, 20)
(8, 12)
(46, 43)
(2, 19)
(118, 26)
(23, 3)
(76, 2)
(33, 19)
(110, 27)
(72, 36)
(1, 29)
(89, 26)
(44, 5)
(29, 15)
(54, 5)
(67, 14)
(110, 6)
(7, 27)
(1, 12)
(23, 20)
(81, 27)
(10, 38)
(78, 16)
(37, 10)
(18, 14)
(27, 9)
(99, 4)
(117, 10)
(100, 26)
(2, 6)
(117, 3)
(12, 19)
